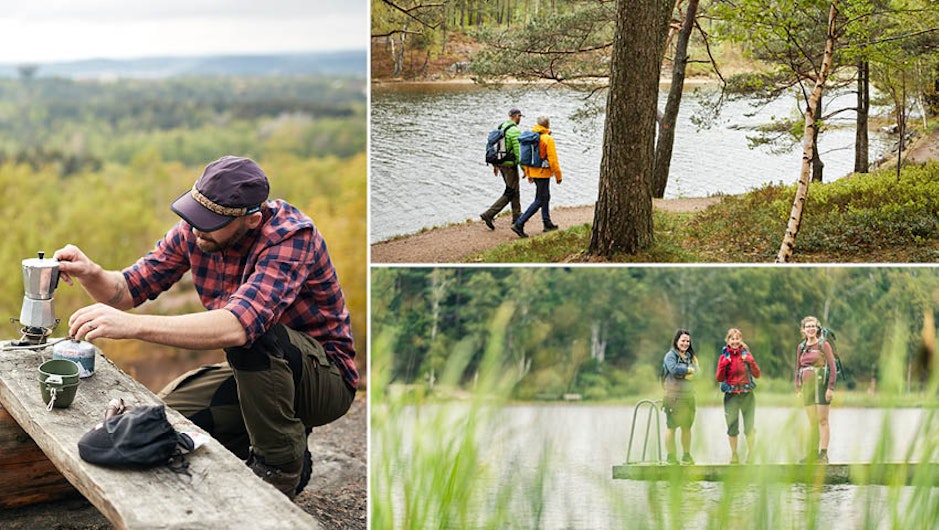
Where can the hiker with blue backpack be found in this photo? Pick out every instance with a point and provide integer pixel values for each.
(816, 374)
(502, 151)
(736, 370)
(539, 161)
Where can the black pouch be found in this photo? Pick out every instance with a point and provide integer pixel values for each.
(141, 436)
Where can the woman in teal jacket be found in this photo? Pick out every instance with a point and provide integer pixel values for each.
(680, 365)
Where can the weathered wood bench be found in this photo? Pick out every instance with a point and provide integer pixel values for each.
(220, 491)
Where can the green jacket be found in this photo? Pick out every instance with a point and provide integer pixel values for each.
(511, 141)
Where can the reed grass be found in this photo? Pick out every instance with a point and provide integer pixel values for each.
(465, 463)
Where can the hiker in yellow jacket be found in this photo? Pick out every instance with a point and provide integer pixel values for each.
(541, 176)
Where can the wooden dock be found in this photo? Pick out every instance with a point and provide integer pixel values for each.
(221, 492)
(836, 473)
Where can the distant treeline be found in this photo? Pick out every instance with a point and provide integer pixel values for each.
(603, 332)
(80, 124)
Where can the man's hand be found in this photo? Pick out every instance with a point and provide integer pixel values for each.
(102, 321)
(73, 263)
(558, 179)
(495, 170)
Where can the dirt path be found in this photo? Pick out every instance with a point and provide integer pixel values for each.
(455, 243)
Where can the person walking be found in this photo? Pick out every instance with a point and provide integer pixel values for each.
(509, 170)
(736, 371)
(273, 303)
(680, 366)
(541, 177)
(815, 383)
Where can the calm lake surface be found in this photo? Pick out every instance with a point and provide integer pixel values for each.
(427, 144)
(581, 444)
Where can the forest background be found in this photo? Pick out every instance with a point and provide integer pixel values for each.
(96, 161)
(602, 333)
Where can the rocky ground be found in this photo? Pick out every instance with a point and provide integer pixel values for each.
(336, 496)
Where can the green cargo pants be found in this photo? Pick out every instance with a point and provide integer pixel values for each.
(266, 397)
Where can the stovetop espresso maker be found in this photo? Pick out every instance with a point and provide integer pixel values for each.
(37, 316)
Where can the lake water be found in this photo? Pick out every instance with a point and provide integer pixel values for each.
(427, 145)
(581, 444)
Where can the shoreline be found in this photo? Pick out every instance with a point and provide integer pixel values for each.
(455, 243)
(469, 81)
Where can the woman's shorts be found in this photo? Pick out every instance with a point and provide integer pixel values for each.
(814, 386)
(679, 411)
(735, 405)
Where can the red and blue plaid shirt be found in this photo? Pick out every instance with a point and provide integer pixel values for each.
(279, 272)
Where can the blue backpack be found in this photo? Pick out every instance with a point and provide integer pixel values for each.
(497, 152)
(748, 387)
(530, 144)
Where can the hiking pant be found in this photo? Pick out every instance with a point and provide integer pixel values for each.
(736, 404)
(510, 195)
(542, 200)
(267, 396)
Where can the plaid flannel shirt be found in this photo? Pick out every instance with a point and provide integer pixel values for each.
(279, 272)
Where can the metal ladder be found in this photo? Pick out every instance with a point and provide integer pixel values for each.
(654, 411)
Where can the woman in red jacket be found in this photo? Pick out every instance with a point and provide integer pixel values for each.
(736, 371)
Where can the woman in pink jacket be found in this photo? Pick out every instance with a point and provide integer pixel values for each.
(815, 384)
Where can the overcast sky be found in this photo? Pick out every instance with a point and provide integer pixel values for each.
(62, 30)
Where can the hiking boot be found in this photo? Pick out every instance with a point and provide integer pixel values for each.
(687, 460)
(286, 478)
(305, 472)
(488, 221)
(822, 457)
(551, 227)
(734, 459)
(520, 231)
(671, 460)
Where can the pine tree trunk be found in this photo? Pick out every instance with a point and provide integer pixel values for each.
(623, 213)
(861, 142)
(666, 139)
(795, 215)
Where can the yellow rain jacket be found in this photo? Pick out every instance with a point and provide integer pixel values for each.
(549, 152)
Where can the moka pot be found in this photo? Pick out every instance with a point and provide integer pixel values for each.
(40, 278)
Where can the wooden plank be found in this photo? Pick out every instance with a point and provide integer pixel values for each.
(220, 493)
(853, 473)
(26, 475)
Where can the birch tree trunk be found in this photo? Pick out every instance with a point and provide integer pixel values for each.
(808, 151)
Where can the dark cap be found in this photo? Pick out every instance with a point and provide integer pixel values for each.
(141, 436)
(230, 187)
(515, 112)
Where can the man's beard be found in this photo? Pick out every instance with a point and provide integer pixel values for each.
(209, 245)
